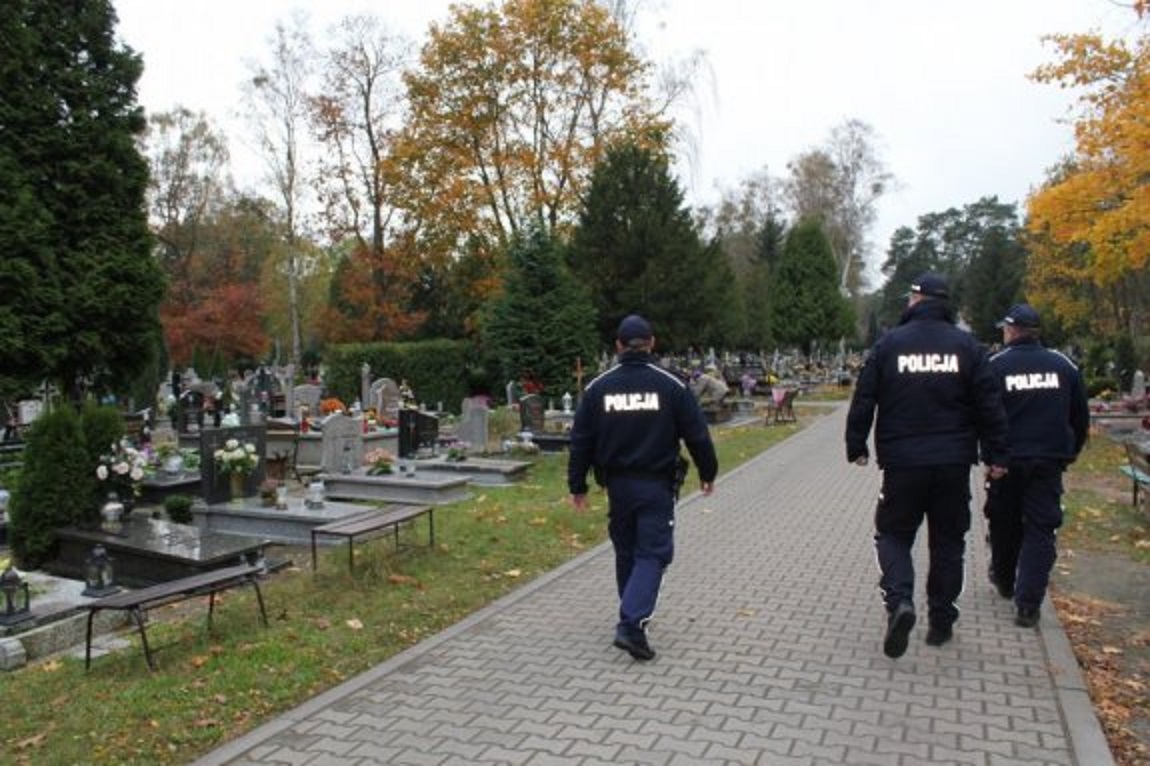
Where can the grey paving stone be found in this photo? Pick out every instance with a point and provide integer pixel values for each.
(769, 635)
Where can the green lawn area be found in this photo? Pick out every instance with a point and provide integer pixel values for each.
(325, 627)
(1099, 512)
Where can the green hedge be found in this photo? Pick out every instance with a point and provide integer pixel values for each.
(438, 371)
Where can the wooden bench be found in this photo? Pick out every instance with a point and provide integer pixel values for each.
(1138, 469)
(369, 524)
(137, 602)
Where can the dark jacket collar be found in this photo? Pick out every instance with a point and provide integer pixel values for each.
(928, 309)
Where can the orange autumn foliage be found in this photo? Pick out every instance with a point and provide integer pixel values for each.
(1090, 224)
(226, 320)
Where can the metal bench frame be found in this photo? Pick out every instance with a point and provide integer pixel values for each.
(1138, 469)
(369, 524)
(137, 602)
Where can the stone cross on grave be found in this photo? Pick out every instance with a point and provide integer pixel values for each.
(578, 375)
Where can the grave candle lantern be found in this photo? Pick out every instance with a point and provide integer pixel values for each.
(99, 578)
(17, 598)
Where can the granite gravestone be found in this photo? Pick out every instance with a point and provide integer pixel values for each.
(342, 444)
(307, 395)
(386, 399)
(215, 486)
(418, 433)
(532, 414)
(472, 428)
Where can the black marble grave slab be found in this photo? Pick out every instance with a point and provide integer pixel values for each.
(148, 551)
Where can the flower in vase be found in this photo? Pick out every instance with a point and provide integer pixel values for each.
(122, 469)
(236, 458)
(378, 461)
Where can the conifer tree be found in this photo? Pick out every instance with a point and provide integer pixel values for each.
(79, 288)
(806, 304)
(637, 250)
(543, 321)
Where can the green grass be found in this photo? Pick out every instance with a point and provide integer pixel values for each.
(1099, 514)
(325, 627)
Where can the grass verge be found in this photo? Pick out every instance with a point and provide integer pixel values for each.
(326, 626)
(1099, 514)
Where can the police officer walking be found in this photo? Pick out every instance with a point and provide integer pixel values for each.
(628, 428)
(1049, 419)
(936, 402)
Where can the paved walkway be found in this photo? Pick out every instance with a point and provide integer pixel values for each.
(769, 637)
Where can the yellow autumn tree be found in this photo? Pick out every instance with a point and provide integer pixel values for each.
(1090, 222)
(510, 109)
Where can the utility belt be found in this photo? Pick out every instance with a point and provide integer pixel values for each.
(676, 478)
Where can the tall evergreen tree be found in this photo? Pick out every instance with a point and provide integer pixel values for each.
(807, 305)
(977, 248)
(637, 250)
(994, 280)
(79, 288)
(543, 321)
(757, 287)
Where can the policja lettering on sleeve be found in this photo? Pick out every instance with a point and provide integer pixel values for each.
(637, 402)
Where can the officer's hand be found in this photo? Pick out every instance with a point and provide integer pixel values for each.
(996, 471)
(862, 460)
(579, 502)
(707, 487)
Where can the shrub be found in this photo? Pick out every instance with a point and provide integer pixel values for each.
(55, 488)
(179, 508)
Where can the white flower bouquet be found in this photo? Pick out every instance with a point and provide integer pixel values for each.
(236, 458)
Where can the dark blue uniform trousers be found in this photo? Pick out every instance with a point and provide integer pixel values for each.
(941, 495)
(641, 524)
(1024, 509)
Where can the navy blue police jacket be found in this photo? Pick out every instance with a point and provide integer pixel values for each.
(630, 422)
(1045, 401)
(936, 399)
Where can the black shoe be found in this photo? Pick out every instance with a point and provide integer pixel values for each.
(638, 648)
(1003, 590)
(938, 635)
(898, 628)
(1026, 617)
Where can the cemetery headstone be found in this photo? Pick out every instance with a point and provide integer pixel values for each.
(284, 377)
(418, 432)
(342, 444)
(472, 427)
(307, 395)
(29, 410)
(365, 384)
(514, 392)
(532, 415)
(1138, 387)
(389, 400)
(214, 485)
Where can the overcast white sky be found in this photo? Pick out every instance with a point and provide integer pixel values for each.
(943, 84)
